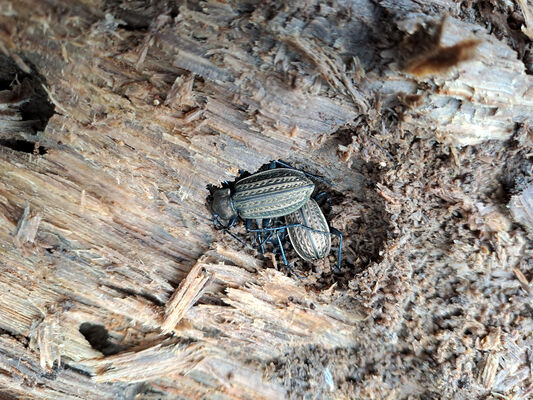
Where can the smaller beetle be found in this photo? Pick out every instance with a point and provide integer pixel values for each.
(310, 234)
(309, 231)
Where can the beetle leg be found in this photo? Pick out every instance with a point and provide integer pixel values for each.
(323, 194)
(260, 236)
(266, 224)
(281, 249)
(219, 226)
(248, 223)
(276, 230)
(226, 229)
(238, 239)
(319, 196)
(258, 240)
(283, 255)
(261, 242)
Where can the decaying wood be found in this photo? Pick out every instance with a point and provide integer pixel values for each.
(26, 228)
(116, 115)
(528, 16)
(148, 364)
(22, 377)
(483, 98)
(521, 206)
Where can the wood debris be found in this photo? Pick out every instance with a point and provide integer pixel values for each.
(114, 118)
(488, 372)
(172, 359)
(46, 337)
(188, 293)
(521, 207)
(442, 59)
(522, 279)
(27, 228)
(181, 93)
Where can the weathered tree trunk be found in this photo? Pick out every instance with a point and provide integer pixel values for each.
(116, 116)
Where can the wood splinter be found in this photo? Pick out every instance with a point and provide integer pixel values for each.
(188, 293)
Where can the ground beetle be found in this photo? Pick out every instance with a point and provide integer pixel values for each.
(278, 192)
(268, 194)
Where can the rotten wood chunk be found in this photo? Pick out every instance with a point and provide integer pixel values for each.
(488, 372)
(46, 336)
(156, 100)
(181, 93)
(267, 309)
(521, 207)
(523, 280)
(154, 362)
(22, 377)
(482, 99)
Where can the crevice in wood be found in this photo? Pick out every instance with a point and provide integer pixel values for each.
(23, 146)
(98, 336)
(23, 101)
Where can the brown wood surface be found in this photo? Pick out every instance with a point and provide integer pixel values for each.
(103, 217)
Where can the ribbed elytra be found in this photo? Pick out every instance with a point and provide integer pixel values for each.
(273, 193)
(313, 243)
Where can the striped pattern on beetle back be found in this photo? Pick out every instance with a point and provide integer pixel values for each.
(273, 193)
(308, 244)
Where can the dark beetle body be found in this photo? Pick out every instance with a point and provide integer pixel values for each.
(268, 194)
(311, 240)
(266, 197)
(273, 193)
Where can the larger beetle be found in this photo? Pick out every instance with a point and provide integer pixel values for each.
(268, 194)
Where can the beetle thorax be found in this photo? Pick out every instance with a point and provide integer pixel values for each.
(222, 205)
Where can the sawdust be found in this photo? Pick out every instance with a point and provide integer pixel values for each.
(437, 277)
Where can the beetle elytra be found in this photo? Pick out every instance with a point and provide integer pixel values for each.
(311, 240)
(268, 194)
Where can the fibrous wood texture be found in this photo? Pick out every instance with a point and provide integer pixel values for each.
(116, 115)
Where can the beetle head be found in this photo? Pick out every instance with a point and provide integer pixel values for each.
(222, 206)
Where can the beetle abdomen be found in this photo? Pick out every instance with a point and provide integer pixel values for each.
(309, 244)
(273, 193)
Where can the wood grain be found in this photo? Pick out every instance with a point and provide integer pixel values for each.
(104, 220)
